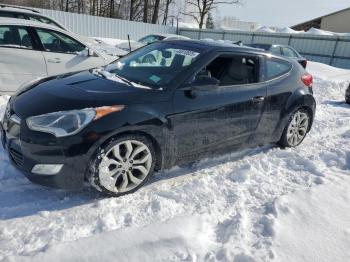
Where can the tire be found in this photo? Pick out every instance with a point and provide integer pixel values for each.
(122, 165)
(296, 129)
(347, 101)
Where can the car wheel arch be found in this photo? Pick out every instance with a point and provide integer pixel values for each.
(300, 99)
(142, 132)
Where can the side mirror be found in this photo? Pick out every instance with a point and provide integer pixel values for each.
(86, 52)
(205, 83)
(91, 52)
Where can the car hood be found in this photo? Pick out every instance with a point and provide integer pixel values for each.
(79, 91)
(106, 51)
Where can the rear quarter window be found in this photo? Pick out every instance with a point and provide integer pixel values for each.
(276, 68)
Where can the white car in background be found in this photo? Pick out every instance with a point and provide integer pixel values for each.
(31, 50)
(149, 39)
(19, 12)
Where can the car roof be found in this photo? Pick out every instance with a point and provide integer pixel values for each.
(269, 45)
(24, 22)
(215, 45)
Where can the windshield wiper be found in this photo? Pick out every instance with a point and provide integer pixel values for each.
(99, 73)
(125, 80)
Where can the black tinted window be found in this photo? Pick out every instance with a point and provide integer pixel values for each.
(276, 67)
(7, 14)
(289, 52)
(276, 50)
(11, 14)
(233, 70)
(54, 41)
(15, 36)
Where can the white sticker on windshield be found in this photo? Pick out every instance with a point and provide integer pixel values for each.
(186, 52)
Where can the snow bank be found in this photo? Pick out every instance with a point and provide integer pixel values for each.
(265, 29)
(315, 31)
(327, 72)
(288, 30)
(164, 241)
(188, 25)
(314, 225)
(221, 209)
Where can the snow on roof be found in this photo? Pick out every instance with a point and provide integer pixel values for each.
(315, 31)
(288, 30)
(265, 29)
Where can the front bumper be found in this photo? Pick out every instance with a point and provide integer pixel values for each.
(26, 149)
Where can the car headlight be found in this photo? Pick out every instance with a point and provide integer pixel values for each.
(68, 123)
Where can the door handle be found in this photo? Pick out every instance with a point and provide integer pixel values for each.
(257, 99)
(54, 60)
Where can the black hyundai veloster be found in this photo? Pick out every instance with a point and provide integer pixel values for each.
(162, 105)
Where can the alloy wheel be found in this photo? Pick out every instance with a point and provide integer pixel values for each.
(125, 166)
(297, 128)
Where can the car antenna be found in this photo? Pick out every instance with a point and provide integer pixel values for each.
(129, 42)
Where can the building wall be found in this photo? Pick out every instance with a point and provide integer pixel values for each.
(339, 22)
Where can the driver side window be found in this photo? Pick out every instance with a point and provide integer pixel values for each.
(57, 42)
(232, 70)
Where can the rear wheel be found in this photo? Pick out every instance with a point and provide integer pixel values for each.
(123, 165)
(296, 129)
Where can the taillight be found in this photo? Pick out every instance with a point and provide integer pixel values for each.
(307, 80)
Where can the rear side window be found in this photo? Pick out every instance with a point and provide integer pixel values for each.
(11, 15)
(276, 68)
(7, 14)
(15, 37)
(289, 52)
(276, 50)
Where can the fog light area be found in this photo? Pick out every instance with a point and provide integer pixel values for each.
(47, 169)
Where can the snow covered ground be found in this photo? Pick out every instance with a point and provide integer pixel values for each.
(262, 204)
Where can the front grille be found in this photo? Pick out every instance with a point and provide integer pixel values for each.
(16, 156)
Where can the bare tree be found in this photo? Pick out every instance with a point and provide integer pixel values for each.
(155, 12)
(201, 8)
(133, 10)
(166, 11)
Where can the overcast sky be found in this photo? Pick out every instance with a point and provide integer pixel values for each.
(281, 12)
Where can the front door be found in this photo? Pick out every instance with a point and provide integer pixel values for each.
(224, 116)
(19, 61)
(64, 54)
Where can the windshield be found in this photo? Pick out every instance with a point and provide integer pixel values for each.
(149, 39)
(155, 65)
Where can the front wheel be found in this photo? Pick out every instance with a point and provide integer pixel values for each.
(123, 165)
(296, 129)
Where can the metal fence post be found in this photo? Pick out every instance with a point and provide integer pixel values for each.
(252, 41)
(290, 39)
(223, 35)
(334, 50)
